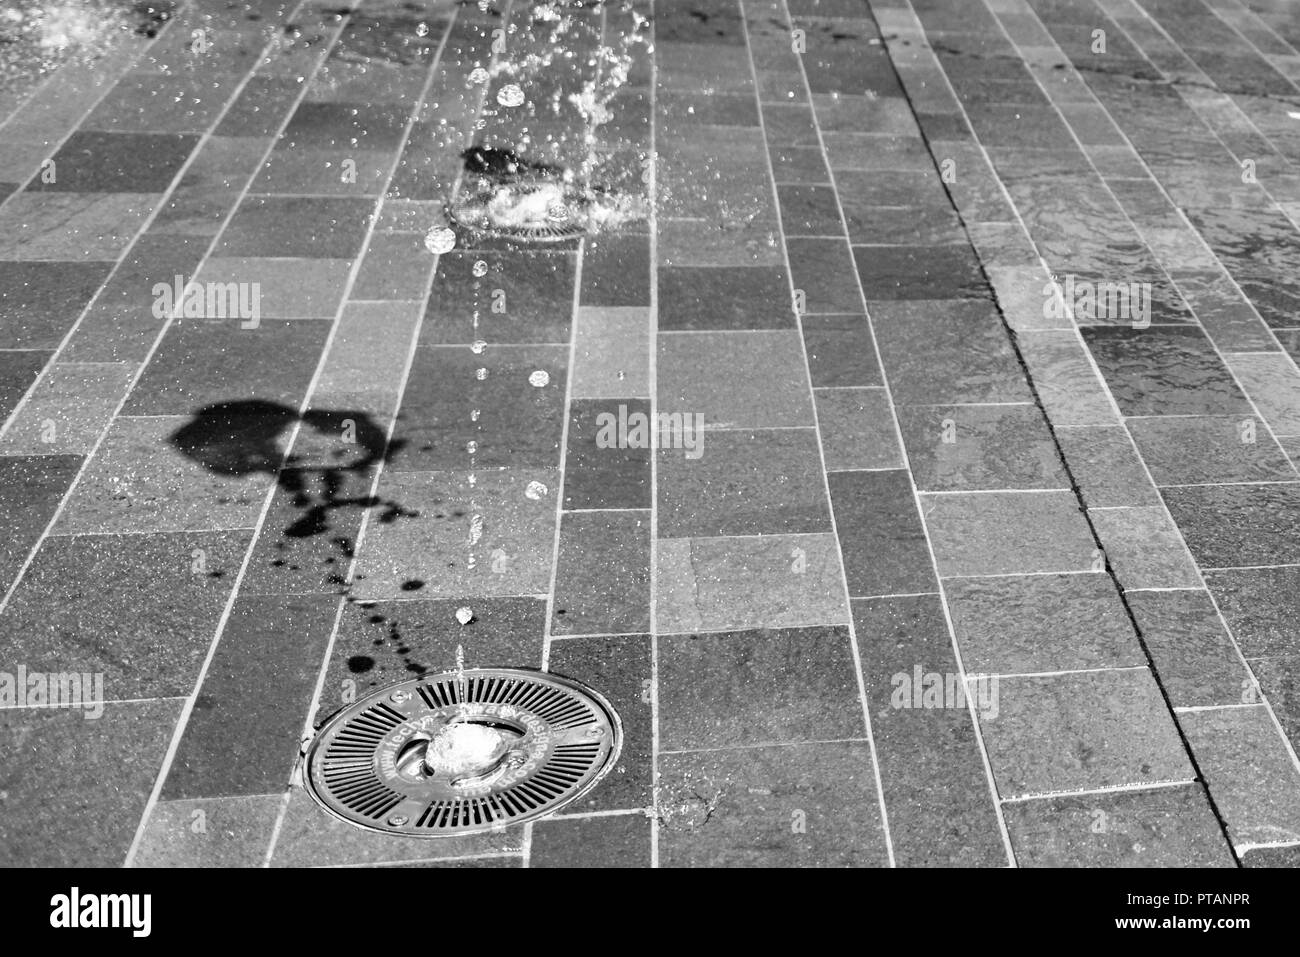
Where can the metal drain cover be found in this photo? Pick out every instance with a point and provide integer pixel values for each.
(454, 753)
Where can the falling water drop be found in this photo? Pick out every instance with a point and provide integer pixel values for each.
(480, 374)
(440, 240)
(539, 378)
(478, 76)
(480, 268)
(511, 95)
(535, 490)
(477, 346)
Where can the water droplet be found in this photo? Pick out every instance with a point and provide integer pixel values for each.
(478, 76)
(477, 347)
(535, 490)
(480, 374)
(422, 30)
(440, 240)
(464, 615)
(480, 268)
(510, 95)
(471, 447)
(539, 378)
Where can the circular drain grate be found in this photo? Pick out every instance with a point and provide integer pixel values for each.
(452, 754)
(472, 213)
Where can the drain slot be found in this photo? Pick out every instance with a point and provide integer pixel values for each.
(460, 753)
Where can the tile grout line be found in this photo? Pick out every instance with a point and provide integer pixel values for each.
(652, 379)
(854, 648)
(313, 707)
(918, 502)
(186, 711)
(1123, 592)
(304, 405)
(1287, 744)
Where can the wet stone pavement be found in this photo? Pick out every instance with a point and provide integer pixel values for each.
(978, 542)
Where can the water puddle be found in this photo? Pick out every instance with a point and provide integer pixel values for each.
(39, 36)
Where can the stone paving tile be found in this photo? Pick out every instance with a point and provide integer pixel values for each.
(149, 634)
(1234, 525)
(841, 351)
(621, 669)
(743, 483)
(941, 810)
(1066, 380)
(1199, 450)
(76, 227)
(31, 488)
(1195, 658)
(206, 362)
(68, 410)
(396, 266)
(611, 354)
(707, 244)
(757, 687)
(1160, 827)
(380, 642)
(811, 805)
(824, 270)
(99, 162)
(523, 297)
(881, 536)
(243, 735)
(1082, 731)
(120, 751)
(40, 301)
(719, 584)
(1250, 773)
(857, 429)
(288, 288)
(1259, 606)
(432, 546)
(972, 447)
(1040, 623)
(209, 832)
(602, 576)
(924, 272)
(599, 476)
(1164, 370)
(306, 227)
(1007, 533)
(621, 840)
(18, 370)
(946, 352)
(1144, 547)
(735, 380)
(1104, 463)
(519, 424)
(697, 298)
(1273, 384)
